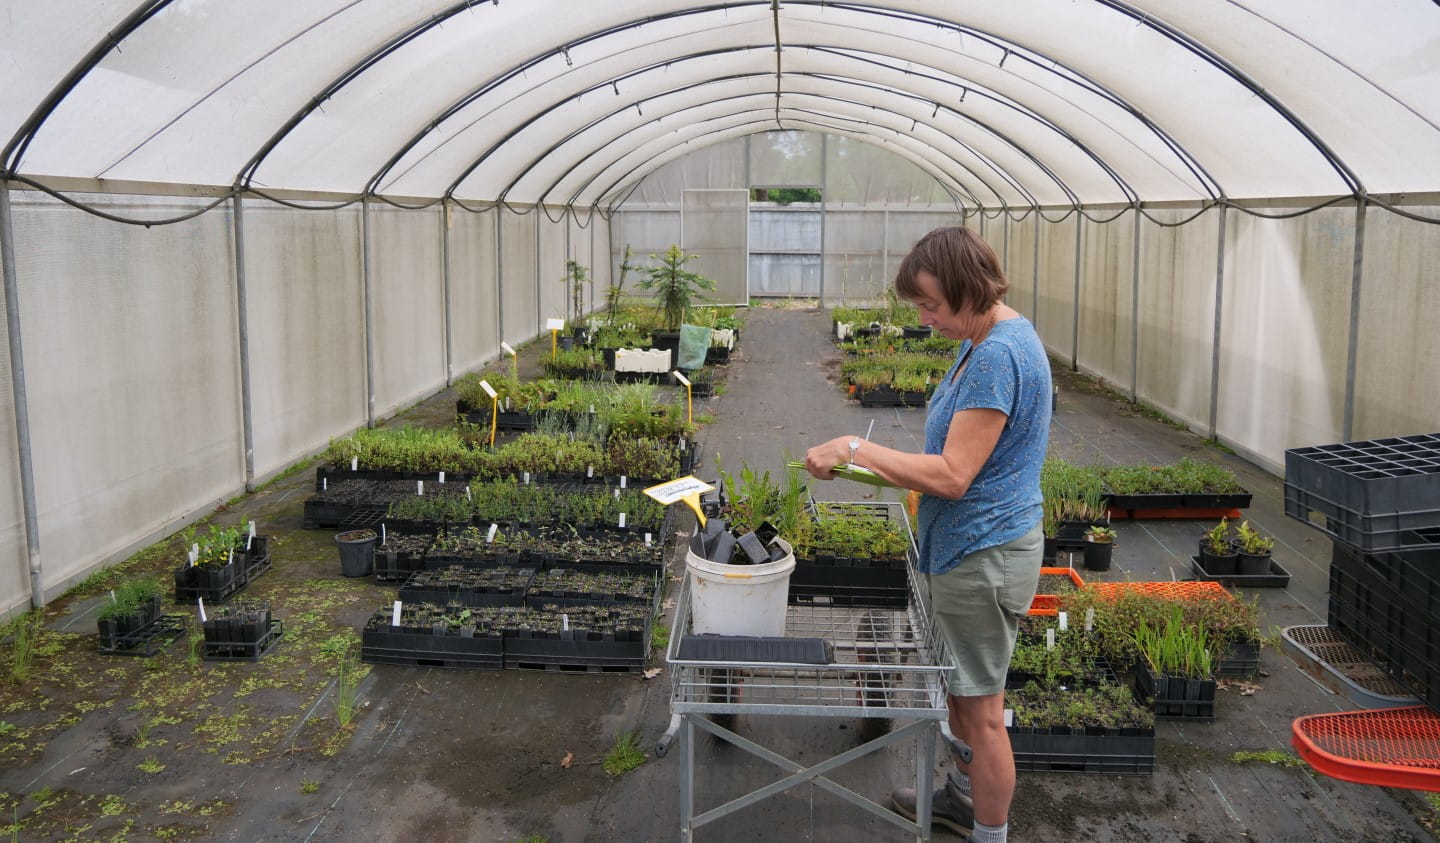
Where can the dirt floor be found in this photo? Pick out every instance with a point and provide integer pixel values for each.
(168, 747)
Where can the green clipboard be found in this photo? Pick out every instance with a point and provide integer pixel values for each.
(851, 472)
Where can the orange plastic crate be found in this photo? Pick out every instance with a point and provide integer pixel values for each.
(1049, 604)
(1388, 747)
(1173, 590)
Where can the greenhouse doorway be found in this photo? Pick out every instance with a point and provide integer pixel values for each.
(787, 225)
(713, 228)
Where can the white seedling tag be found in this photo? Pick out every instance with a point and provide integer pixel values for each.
(248, 540)
(113, 598)
(354, 463)
(565, 621)
(1089, 619)
(592, 409)
(489, 390)
(527, 478)
(682, 444)
(192, 556)
(324, 483)
(419, 487)
(442, 477)
(622, 481)
(507, 403)
(252, 529)
(490, 536)
(200, 601)
(195, 550)
(1009, 717)
(1050, 638)
(382, 532)
(1064, 621)
(590, 471)
(467, 494)
(617, 493)
(554, 324)
(395, 614)
(505, 347)
(622, 520)
(648, 540)
(231, 557)
(684, 381)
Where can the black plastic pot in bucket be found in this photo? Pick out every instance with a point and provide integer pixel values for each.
(357, 552)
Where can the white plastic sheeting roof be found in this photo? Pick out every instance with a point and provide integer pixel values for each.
(1041, 102)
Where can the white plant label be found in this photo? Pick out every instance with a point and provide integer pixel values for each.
(192, 556)
(1089, 619)
(590, 471)
(252, 529)
(617, 493)
(505, 347)
(1064, 621)
(565, 621)
(195, 550)
(1009, 717)
(527, 478)
(231, 557)
(442, 477)
(113, 598)
(489, 390)
(507, 403)
(382, 532)
(554, 324)
(420, 487)
(1050, 638)
(200, 601)
(467, 493)
(682, 444)
(395, 614)
(684, 381)
(324, 483)
(490, 536)
(648, 540)
(592, 409)
(622, 481)
(675, 490)
(354, 463)
(622, 520)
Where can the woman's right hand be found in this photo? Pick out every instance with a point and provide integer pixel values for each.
(822, 460)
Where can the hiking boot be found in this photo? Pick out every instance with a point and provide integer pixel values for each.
(950, 808)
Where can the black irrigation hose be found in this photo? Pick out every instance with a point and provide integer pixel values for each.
(296, 205)
(124, 220)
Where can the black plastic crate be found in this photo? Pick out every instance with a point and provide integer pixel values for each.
(507, 588)
(248, 651)
(1068, 750)
(860, 587)
(1376, 495)
(145, 641)
(1176, 698)
(1240, 659)
(391, 645)
(1277, 577)
(580, 653)
(1383, 620)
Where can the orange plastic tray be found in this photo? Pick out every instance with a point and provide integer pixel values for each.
(1388, 747)
(1175, 590)
(1049, 604)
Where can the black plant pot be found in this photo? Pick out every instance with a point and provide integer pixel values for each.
(1098, 554)
(1253, 564)
(1221, 564)
(357, 552)
(1048, 554)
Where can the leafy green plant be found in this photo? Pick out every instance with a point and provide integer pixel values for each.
(129, 598)
(1100, 535)
(625, 755)
(674, 286)
(24, 633)
(348, 673)
(309, 786)
(1252, 541)
(1176, 648)
(576, 277)
(1217, 538)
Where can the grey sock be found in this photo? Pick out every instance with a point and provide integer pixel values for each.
(989, 833)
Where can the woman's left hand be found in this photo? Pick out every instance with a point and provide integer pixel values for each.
(822, 460)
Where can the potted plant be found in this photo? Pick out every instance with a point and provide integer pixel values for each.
(675, 287)
(1254, 550)
(1177, 667)
(1217, 554)
(357, 552)
(132, 607)
(1099, 547)
(576, 276)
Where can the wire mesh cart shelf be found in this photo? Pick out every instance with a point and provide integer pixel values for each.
(834, 661)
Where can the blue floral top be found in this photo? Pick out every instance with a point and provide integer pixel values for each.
(1008, 372)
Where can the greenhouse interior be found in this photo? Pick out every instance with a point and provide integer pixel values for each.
(460, 563)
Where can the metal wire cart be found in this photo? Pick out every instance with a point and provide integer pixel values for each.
(862, 663)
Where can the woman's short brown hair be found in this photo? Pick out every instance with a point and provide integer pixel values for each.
(967, 268)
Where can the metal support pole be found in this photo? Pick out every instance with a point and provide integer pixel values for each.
(824, 146)
(445, 283)
(247, 417)
(1035, 302)
(539, 306)
(1356, 271)
(17, 390)
(499, 278)
(1135, 312)
(369, 312)
(1075, 326)
(1215, 336)
(569, 296)
(885, 246)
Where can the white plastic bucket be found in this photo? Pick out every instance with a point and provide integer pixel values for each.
(739, 599)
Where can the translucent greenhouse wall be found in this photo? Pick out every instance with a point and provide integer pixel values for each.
(1135, 302)
(132, 349)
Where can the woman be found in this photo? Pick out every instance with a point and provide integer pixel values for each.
(979, 517)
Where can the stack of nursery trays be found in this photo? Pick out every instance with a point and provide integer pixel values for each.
(194, 582)
(840, 576)
(1380, 502)
(240, 631)
(342, 501)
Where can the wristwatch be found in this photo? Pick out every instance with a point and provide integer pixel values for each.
(854, 446)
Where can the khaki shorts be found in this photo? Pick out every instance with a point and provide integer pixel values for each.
(976, 609)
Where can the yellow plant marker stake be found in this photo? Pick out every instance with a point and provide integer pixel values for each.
(555, 326)
(494, 408)
(689, 399)
(686, 489)
(514, 361)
